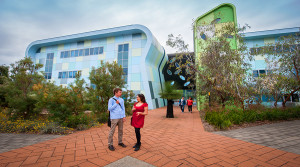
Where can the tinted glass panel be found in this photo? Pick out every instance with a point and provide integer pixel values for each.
(73, 53)
(76, 53)
(91, 51)
(101, 50)
(125, 47)
(59, 74)
(96, 51)
(74, 74)
(125, 55)
(70, 74)
(87, 52)
(120, 48)
(81, 52)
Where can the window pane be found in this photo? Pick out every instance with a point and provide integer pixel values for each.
(81, 52)
(261, 72)
(91, 51)
(120, 62)
(70, 74)
(59, 75)
(125, 47)
(120, 56)
(48, 55)
(125, 55)
(125, 70)
(120, 48)
(64, 74)
(67, 54)
(49, 75)
(74, 74)
(101, 50)
(87, 52)
(62, 54)
(125, 63)
(73, 53)
(96, 50)
(255, 73)
(76, 53)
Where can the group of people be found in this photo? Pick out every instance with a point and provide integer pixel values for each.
(116, 108)
(189, 103)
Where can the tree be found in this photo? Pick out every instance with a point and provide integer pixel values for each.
(221, 66)
(170, 92)
(284, 59)
(19, 88)
(104, 79)
(3, 77)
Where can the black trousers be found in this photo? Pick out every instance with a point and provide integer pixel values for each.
(138, 135)
(190, 108)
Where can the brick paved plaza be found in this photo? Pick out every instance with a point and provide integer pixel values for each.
(181, 141)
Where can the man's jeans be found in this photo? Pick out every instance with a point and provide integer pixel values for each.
(182, 108)
(114, 123)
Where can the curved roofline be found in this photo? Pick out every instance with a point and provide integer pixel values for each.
(123, 30)
(219, 6)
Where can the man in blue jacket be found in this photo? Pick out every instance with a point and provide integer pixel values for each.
(182, 103)
(116, 108)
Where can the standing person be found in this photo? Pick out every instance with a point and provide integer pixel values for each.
(190, 104)
(117, 116)
(182, 103)
(139, 109)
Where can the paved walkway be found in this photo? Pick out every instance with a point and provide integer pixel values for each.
(181, 141)
(10, 141)
(283, 136)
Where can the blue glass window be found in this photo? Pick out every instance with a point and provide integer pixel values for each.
(255, 73)
(48, 66)
(101, 50)
(64, 74)
(123, 58)
(125, 47)
(70, 74)
(81, 52)
(73, 53)
(62, 54)
(67, 54)
(125, 70)
(76, 53)
(91, 51)
(96, 50)
(87, 52)
(59, 74)
(125, 55)
(74, 74)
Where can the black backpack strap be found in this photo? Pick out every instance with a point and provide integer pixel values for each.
(119, 103)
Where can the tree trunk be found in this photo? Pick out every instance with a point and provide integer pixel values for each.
(289, 95)
(170, 109)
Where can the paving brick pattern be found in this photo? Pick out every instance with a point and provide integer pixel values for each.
(283, 136)
(181, 141)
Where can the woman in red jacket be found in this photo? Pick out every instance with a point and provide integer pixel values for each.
(190, 104)
(140, 109)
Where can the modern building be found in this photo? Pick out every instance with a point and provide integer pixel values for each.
(133, 46)
(255, 40)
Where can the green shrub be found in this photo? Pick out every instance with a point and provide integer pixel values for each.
(233, 115)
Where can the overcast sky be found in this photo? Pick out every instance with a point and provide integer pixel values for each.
(25, 21)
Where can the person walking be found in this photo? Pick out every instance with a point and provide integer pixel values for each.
(117, 116)
(182, 103)
(139, 109)
(190, 104)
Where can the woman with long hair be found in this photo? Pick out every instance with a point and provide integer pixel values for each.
(140, 109)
